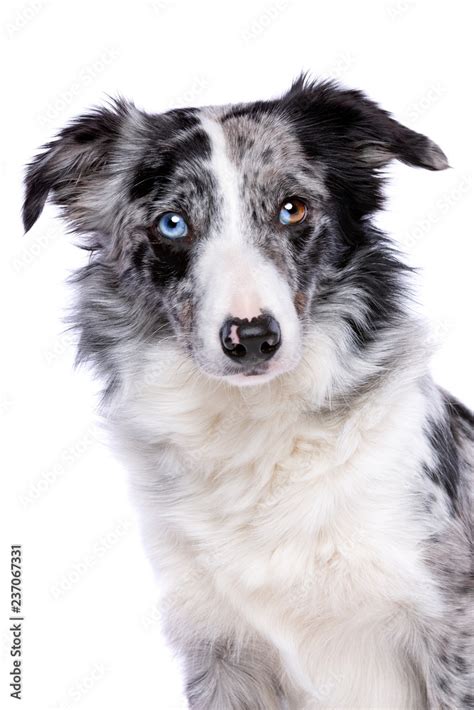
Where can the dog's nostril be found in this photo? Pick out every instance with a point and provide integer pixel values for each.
(251, 340)
(237, 350)
(266, 347)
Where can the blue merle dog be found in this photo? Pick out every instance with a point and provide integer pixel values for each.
(305, 488)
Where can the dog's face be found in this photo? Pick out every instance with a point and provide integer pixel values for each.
(233, 230)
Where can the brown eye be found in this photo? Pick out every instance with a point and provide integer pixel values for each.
(292, 211)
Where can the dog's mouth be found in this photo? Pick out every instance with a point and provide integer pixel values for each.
(255, 373)
(251, 376)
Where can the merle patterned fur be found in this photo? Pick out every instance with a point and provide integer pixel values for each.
(115, 170)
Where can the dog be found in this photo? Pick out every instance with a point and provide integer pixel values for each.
(304, 487)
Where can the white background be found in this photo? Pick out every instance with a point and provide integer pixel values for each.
(91, 631)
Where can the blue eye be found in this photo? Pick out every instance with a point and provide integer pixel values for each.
(172, 225)
(292, 211)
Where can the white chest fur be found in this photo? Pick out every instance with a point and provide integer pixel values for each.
(303, 523)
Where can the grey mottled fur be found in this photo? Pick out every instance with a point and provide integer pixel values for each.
(108, 174)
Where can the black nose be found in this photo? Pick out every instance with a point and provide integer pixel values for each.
(251, 341)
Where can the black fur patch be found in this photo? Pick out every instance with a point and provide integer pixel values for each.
(170, 262)
(138, 256)
(183, 118)
(144, 181)
(156, 177)
(195, 145)
(445, 472)
(153, 178)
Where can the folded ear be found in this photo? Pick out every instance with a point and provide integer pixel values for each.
(393, 141)
(72, 168)
(362, 127)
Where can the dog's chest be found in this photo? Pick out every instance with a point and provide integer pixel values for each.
(303, 526)
(298, 509)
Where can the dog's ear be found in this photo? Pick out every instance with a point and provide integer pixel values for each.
(359, 126)
(73, 169)
(385, 139)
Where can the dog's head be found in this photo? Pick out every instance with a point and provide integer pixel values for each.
(234, 231)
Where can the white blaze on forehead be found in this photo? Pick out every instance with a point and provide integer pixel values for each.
(229, 253)
(227, 178)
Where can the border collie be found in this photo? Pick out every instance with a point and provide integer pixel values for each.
(305, 488)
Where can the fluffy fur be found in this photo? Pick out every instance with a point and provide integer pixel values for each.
(311, 519)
